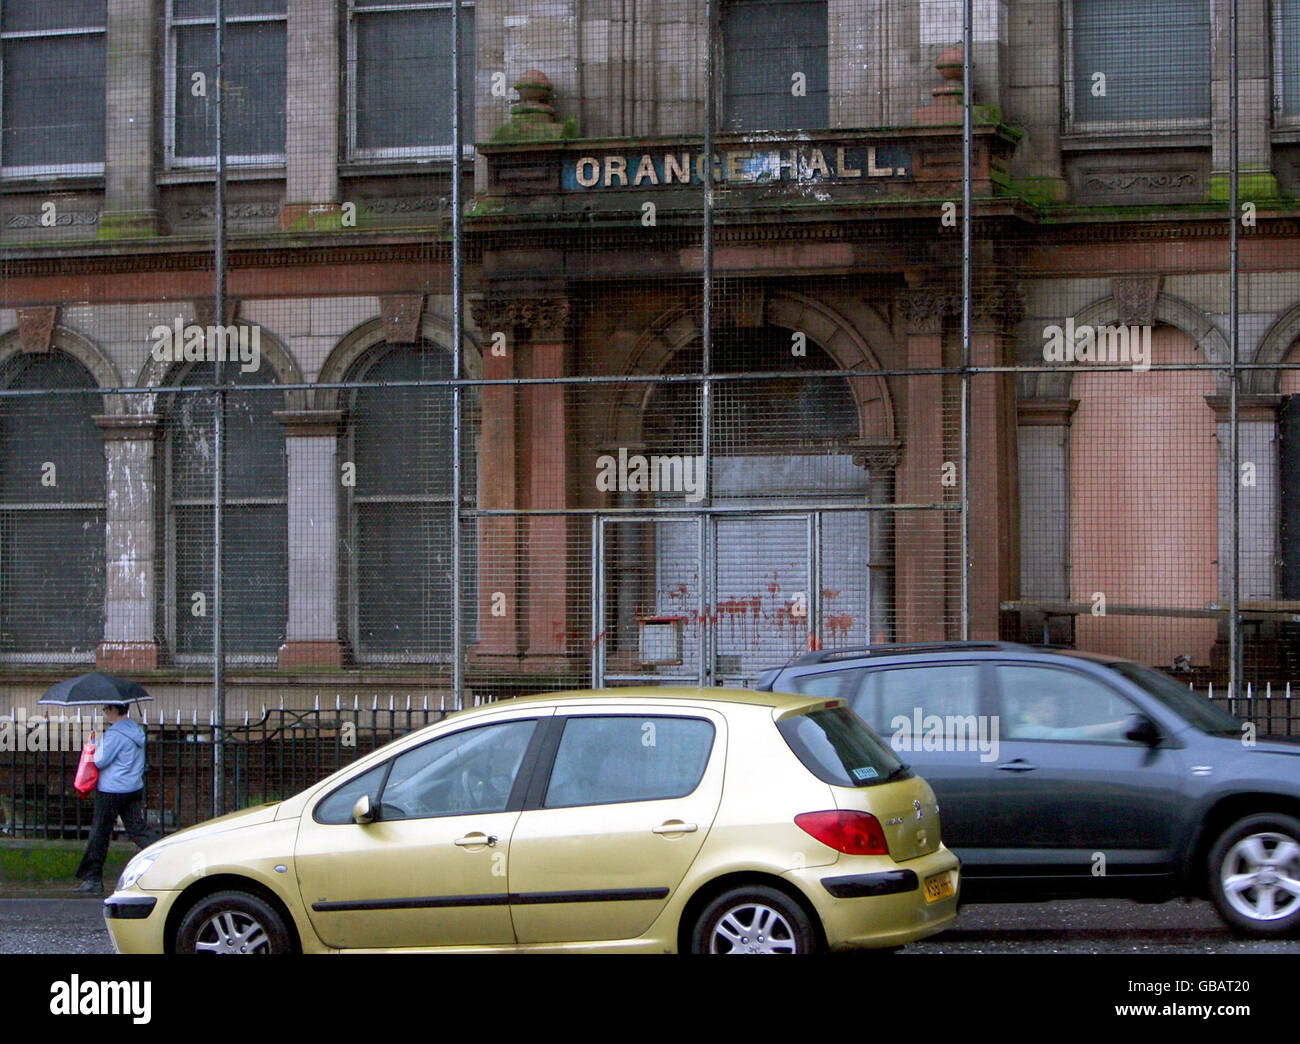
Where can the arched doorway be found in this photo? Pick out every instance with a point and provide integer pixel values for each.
(777, 557)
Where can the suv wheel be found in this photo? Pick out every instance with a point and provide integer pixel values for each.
(1254, 872)
(233, 922)
(753, 919)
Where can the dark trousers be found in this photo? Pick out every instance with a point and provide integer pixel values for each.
(107, 808)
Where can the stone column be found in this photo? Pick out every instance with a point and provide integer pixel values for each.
(919, 553)
(311, 197)
(497, 564)
(994, 515)
(881, 460)
(1044, 487)
(130, 197)
(312, 630)
(1255, 100)
(130, 641)
(546, 435)
(1258, 482)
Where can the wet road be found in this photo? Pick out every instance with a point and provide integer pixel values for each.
(1109, 926)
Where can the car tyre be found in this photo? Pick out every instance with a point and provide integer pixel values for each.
(1254, 868)
(753, 919)
(233, 922)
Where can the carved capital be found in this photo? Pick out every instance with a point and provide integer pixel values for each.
(401, 317)
(1136, 298)
(543, 317)
(36, 328)
(925, 308)
(877, 454)
(996, 307)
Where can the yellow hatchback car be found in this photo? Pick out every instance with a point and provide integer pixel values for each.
(635, 820)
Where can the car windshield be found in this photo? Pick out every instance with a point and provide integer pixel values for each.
(1197, 710)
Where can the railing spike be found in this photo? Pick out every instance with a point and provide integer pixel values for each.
(408, 702)
(374, 703)
(390, 703)
(338, 701)
(356, 705)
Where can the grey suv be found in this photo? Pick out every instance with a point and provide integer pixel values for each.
(1063, 774)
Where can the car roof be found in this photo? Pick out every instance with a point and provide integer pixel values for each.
(779, 701)
(922, 650)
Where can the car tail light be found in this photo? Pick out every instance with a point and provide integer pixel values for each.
(853, 833)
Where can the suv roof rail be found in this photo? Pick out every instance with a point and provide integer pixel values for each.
(822, 655)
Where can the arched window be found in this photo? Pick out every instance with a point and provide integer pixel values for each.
(398, 513)
(254, 525)
(51, 512)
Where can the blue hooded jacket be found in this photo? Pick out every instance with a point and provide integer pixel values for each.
(119, 757)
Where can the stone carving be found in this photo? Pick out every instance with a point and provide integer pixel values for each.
(401, 317)
(925, 308)
(205, 311)
(36, 328)
(1136, 299)
(541, 315)
(1152, 181)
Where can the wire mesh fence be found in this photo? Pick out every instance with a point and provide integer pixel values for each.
(393, 346)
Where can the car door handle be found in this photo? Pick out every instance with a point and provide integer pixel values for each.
(675, 826)
(1017, 765)
(475, 839)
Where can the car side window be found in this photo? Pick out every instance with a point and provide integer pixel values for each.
(337, 808)
(827, 685)
(606, 759)
(898, 696)
(469, 771)
(1047, 703)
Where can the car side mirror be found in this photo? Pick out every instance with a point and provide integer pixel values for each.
(362, 813)
(1141, 729)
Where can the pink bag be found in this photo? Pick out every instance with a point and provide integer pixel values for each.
(87, 772)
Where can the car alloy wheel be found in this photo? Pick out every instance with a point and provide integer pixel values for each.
(1255, 875)
(232, 923)
(755, 919)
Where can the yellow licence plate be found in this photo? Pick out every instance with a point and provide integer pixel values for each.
(938, 886)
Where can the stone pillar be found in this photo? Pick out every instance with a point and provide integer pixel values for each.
(881, 460)
(1257, 441)
(312, 630)
(1255, 100)
(546, 437)
(497, 557)
(130, 197)
(311, 197)
(130, 641)
(1044, 486)
(994, 515)
(919, 553)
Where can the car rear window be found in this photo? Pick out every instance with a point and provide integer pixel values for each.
(839, 748)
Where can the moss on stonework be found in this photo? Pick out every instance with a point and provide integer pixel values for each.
(519, 131)
(1251, 187)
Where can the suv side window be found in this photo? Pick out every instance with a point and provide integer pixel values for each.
(606, 759)
(1049, 703)
(828, 685)
(949, 691)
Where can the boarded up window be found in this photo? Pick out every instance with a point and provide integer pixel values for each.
(774, 65)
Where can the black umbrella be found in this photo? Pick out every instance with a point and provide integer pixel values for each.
(94, 690)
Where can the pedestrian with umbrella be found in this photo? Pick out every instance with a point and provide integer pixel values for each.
(119, 757)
